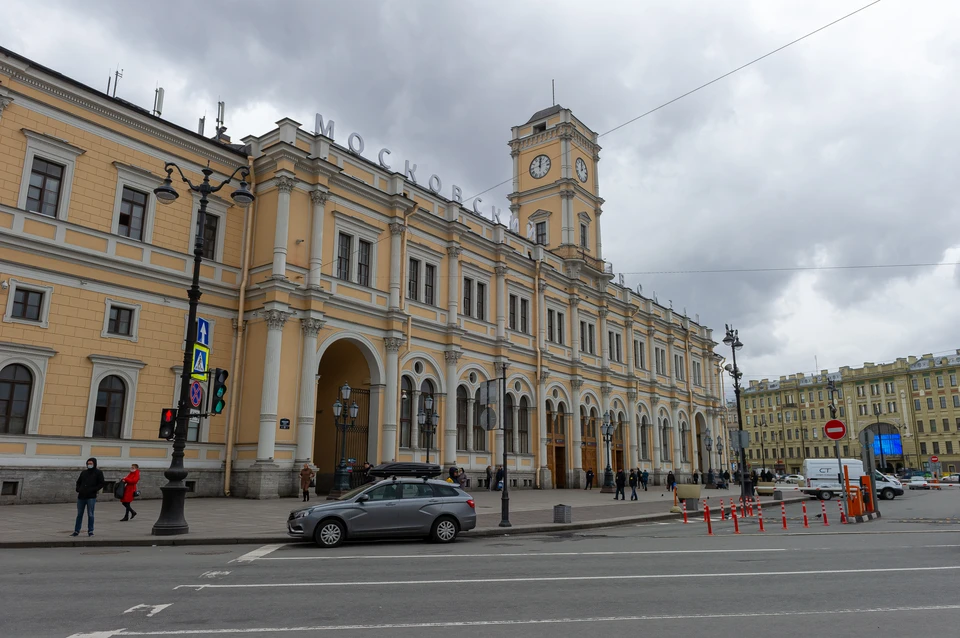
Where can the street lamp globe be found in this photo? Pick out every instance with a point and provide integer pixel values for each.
(421, 418)
(242, 196)
(436, 419)
(337, 408)
(428, 402)
(345, 391)
(166, 193)
(354, 410)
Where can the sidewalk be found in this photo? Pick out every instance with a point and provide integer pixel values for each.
(215, 521)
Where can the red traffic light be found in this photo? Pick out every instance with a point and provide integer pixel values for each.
(168, 423)
(169, 416)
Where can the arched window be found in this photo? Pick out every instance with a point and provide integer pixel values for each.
(508, 424)
(664, 427)
(592, 423)
(549, 416)
(16, 385)
(108, 417)
(644, 434)
(583, 422)
(406, 411)
(524, 426)
(426, 390)
(619, 430)
(561, 420)
(461, 418)
(684, 443)
(479, 433)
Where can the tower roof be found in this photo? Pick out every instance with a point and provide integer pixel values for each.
(539, 115)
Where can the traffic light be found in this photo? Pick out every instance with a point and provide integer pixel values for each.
(219, 390)
(168, 423)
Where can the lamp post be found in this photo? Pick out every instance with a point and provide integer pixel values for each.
(172, 520)
(341, 478)
(732, 339)
(607, 431)
(708, 443)
(876, 413)
(428, 421)
(720, 453)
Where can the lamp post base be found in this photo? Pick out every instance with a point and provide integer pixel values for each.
(608, 487)
(341, 483)
(172, 521)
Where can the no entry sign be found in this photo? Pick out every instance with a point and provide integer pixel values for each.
(835, 429)
(934, 459)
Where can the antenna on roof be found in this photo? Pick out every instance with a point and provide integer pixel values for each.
(620, 275)
(640, 290)
(221, 125)
(203, 121)
(158, 101)
(116, 80)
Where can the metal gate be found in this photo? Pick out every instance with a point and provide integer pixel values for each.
(356, 448)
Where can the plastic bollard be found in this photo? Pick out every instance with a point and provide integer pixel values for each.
(783, 514)
(684, 503)
(823, 509)
(736, 522)
(806, 523)
(709, 524)
(843, 516)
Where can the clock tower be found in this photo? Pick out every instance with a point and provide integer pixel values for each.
(556, 196)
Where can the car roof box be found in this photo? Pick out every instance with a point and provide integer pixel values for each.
(417, 470)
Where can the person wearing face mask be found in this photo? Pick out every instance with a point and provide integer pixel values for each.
(89, 483)
(130, 491)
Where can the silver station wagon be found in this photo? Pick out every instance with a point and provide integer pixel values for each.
(396, 507)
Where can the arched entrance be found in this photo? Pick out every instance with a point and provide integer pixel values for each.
(703, 456)
(351, 361)
(887, 446)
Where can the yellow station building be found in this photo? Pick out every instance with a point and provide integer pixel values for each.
(350, 267)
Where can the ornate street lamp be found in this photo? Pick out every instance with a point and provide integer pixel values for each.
(172, 520)
(607, 431)
(341, 478)
(428, 421)
(708, 443)
(732, 339)
(720, 454)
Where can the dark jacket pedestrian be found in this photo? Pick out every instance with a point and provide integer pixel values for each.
(306, 476)
(696, 477)
(645, 478)
(671, 482)
(489, 478)
(499, 478)
(726, 475)
(89, 484)
(621, 482)
(633, 481)
(453, 473)
(710, 478)
(590, 476)
(130, 491)
(462, 478)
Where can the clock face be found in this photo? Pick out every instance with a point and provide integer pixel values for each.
(540, 166)
(581, 169)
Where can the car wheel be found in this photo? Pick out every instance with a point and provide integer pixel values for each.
(445, 530)
(887, 494)
(330, 533)
(826, 496)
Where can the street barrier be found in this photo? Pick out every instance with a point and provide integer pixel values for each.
(706, 508)
(806, 523)
(760, 518)
(823, 509)
(783, 514)
(736, 523)
(723, 512)
(684, 503)
(843, 517)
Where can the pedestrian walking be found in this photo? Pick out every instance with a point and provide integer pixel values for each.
(499, 478)
(671, 482)
(462, 478)
(726, 476)
(633, 485)
(489, 478)
(696, 477)
(89, 483)
(454, 472)
(644, 479)
(621, 482)
(589, 480)
(130, 491)
(306, 478)
(365, 470)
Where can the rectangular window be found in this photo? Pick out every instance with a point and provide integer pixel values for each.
(861, 391)
(939, 381)
(819, 395)
(512, 312)
(27, 304)
(923, 448)
(584, 236)
(429, 284)
(524, 316)
(619, 348)
(929, 403)
(933, 425)
(660, 361)
(120, 322)
(841, 411)
(821, 413)
(953, 380)
(641, 355)
(481, 301)
(946, 425)
(467, 296)
(916, 404)
(560, 327)
(956, 400)
(926, 383)
(549, 324)
(363, 263)
(920, 426)
(211, 224)
(133, 209)
(754, 404)
(949, 447)
(810, 396)
(43, 194)
(592, 338)
(344, 248)
(678, 368)
(413, 280)
(915, 384)
(943, 402)
(542, 233)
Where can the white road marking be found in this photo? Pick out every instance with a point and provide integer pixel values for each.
(154, 609)
(521, 555)
(260, 552)
(500, 623)
(543, 579)
(213, 574)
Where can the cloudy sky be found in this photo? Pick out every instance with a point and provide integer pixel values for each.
(840, 150)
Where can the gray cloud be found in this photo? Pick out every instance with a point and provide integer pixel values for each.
(837, 151)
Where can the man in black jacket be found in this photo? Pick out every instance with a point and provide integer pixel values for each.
(89, 484)
(621, 482)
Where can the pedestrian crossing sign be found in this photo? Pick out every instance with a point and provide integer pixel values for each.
(201, 355)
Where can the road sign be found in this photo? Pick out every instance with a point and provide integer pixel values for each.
(196, 394)
(866, 438)
(934, 459)
(203, 332)
(835, 429)
(201, 355)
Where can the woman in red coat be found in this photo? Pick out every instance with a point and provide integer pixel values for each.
(129, 489)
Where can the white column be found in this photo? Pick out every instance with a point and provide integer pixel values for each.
(319, 199)
(631, 363)
(470, 407)
(308, 389)
(516, 430)
(414, 423)
(284, 186)
(541, 314)
(388, 452)
(575, 326)
(545, 478)
(453, 284)
(675, 416)
(269, 394)
(604, 340)
(501, 272)
(633, 437)
(450, 408)
(655, 424)
(396, 270)
(575, 438)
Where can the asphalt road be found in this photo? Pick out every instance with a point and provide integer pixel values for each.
(889, 577)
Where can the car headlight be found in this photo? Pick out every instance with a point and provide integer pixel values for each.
(300, 514)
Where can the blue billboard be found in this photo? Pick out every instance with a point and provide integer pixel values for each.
(887, 444)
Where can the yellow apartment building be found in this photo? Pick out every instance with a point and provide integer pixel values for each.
(912, 405)
(350, 267)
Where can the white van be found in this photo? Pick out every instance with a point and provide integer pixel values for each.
(821, 479)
